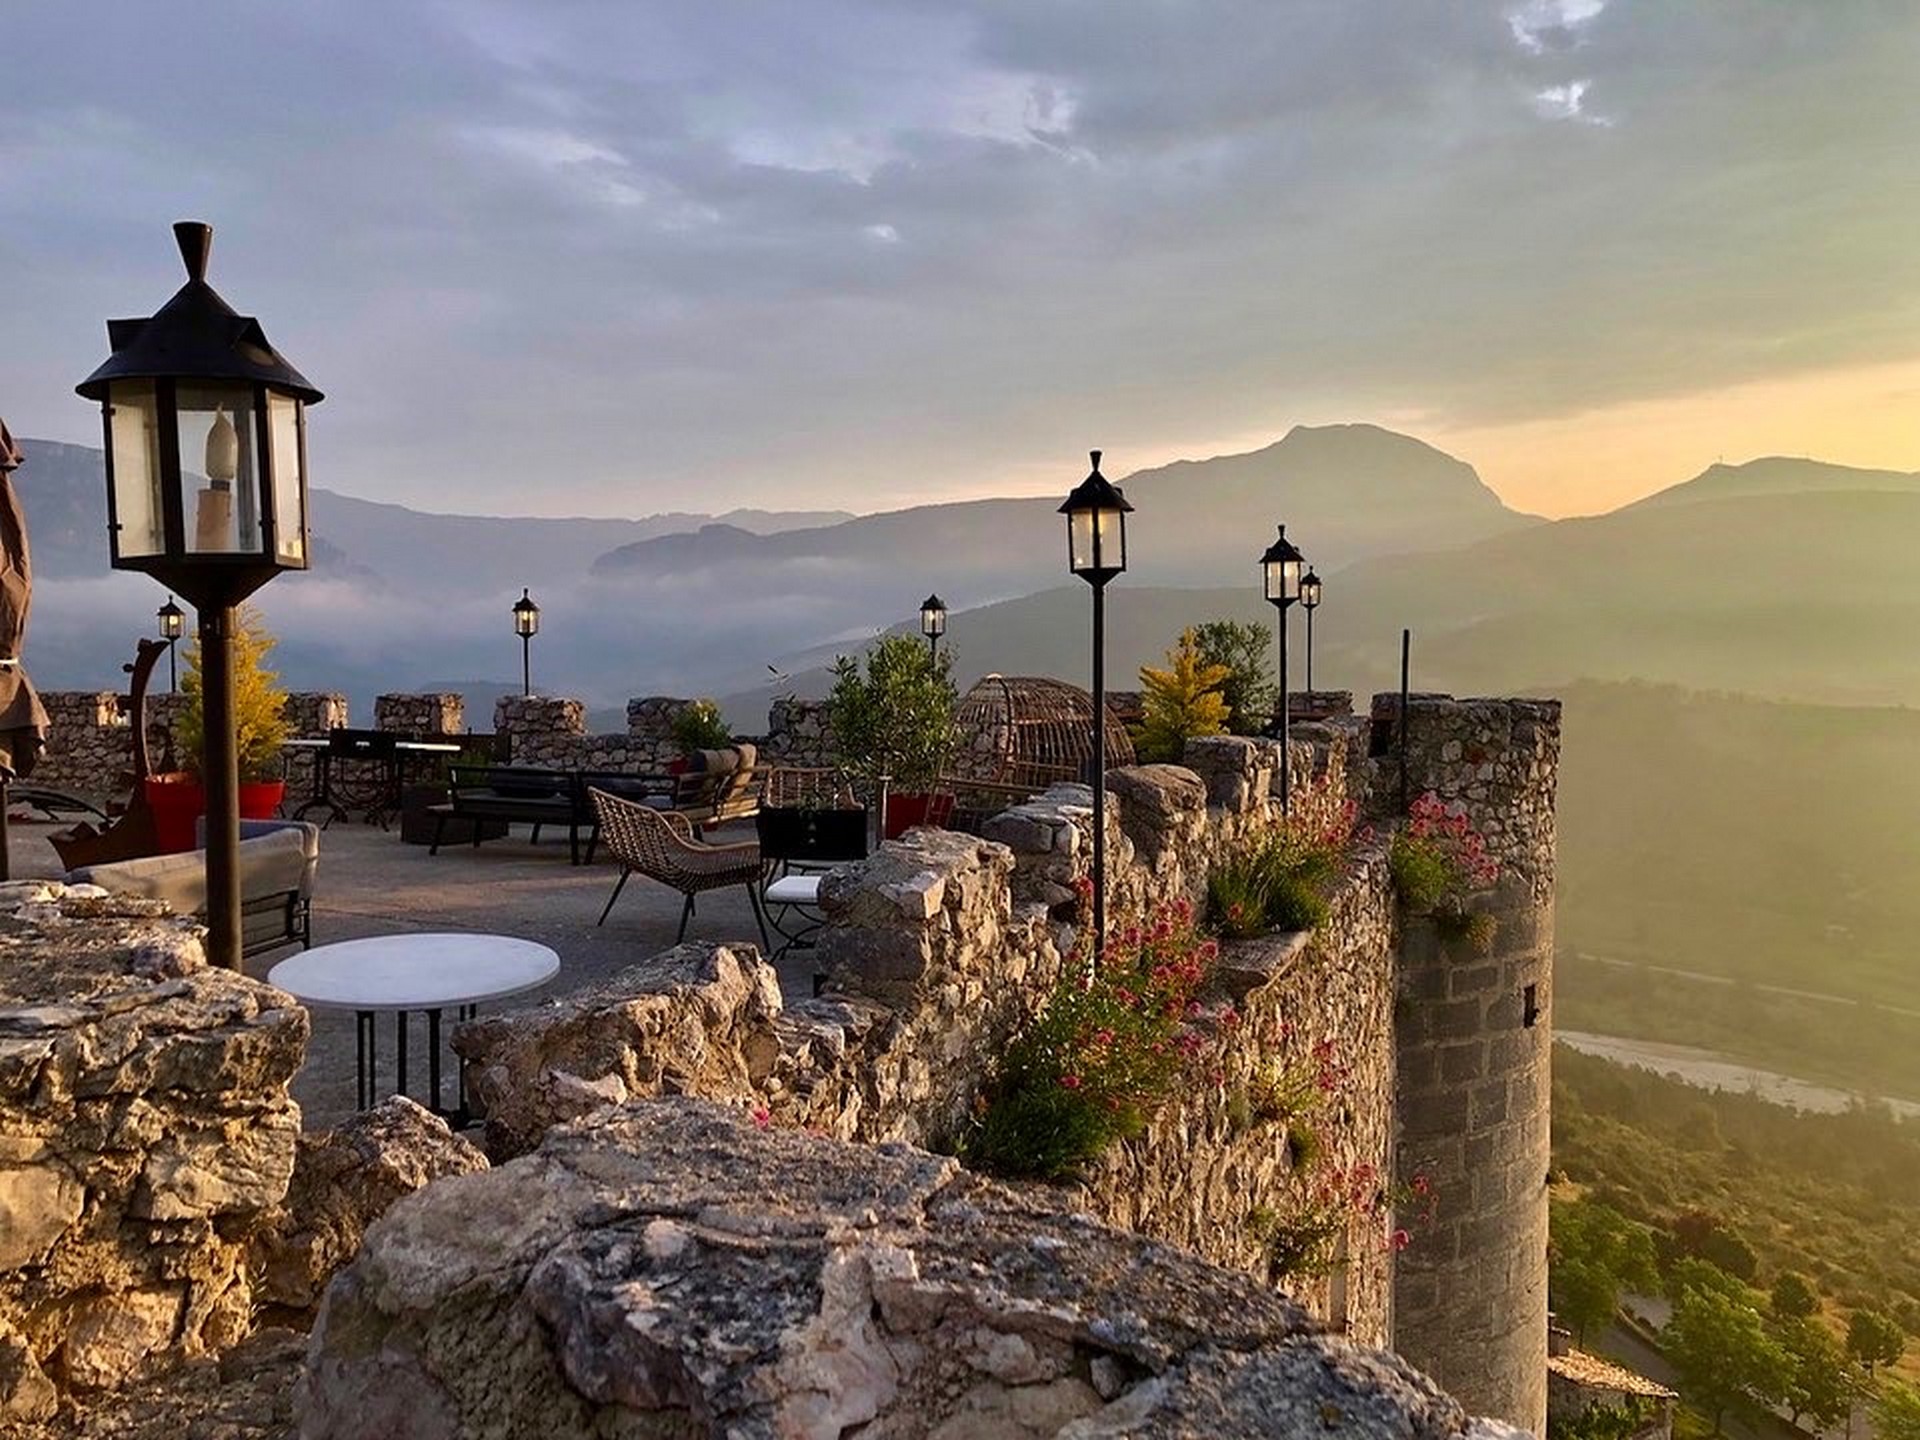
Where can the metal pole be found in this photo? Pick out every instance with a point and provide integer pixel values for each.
(220, 771)
(526, 665)
(933, 649)
(1310, 610)
(1099, 772)
(1286, 724)
(1406, 655)
(6, 839)
(173, 667)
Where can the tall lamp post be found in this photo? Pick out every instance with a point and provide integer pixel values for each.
(1310, 602)
(1280, 567)
(1096, 514)
(933, 623)
(526, 624)
(173, 624)
(206, 459)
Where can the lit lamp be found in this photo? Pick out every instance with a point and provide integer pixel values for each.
(1280, 567)
(526, 624)
(173, 624)
(933, 622)
(207, 492)
(1310, 602)
(1096, 514)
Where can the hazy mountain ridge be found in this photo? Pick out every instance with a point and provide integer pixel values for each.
(1776, 475)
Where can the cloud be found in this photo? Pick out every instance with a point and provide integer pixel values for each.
(619, 257)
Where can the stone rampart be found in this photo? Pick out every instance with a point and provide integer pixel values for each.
(942, 945)
(146, 1131)
(425, 715)
(667, 1268)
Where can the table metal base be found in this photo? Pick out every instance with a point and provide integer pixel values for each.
(366, 1061)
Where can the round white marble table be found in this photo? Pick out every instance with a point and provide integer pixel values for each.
(430, 971)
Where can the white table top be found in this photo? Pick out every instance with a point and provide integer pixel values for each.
(427, 971)
(417, 747)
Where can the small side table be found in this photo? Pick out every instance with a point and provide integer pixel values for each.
(432, 972)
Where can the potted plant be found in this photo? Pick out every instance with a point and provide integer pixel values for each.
(893, 716)
(700, 726)
(178, 798)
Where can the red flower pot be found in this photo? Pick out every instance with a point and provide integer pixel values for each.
(178, 800)
(904, 811)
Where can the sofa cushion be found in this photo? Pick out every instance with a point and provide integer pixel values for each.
(269, 865)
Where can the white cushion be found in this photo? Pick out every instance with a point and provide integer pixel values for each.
(794, 890)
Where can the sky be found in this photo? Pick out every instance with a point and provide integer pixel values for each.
(614, 257)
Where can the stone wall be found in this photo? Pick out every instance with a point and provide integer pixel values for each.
(800, 735)
(669, 1268)
(90, 743)
(941, 945)
(146, 1131)
(423, 715)
(1475, 1036)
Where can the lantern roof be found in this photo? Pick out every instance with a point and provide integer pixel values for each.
(1282, 549)
(195, 335)
(1096, 492)
(933, 602)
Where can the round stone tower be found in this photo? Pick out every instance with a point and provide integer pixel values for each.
(1472, 1040)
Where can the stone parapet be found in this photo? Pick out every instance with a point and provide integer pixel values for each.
(312, 713)
(672, 1259)
(800, 734)
(146, 1130)
(424, 714)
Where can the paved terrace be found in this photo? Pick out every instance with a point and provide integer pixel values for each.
(369, 883)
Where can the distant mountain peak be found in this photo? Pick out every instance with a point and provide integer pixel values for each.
(1781, 475)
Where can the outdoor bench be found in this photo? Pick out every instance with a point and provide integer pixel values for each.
(517, 794)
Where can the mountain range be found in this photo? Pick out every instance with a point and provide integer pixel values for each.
(1783, 577)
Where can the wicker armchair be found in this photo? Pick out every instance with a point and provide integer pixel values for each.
(660, 845)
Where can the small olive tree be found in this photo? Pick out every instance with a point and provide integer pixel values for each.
(895, 713)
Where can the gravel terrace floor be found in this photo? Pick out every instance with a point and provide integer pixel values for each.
(369, 883)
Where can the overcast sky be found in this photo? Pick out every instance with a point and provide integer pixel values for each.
(603, 256)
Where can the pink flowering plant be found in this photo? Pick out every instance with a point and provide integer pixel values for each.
(1439, 861)
(1304, 1243)
(1281, 880)
(1111, 1045)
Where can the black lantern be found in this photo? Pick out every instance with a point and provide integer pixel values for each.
(1280, 568)
(206, 443)
(1096, 514)
(526, 624)
(1310, 602)
(933, 622)
(173, 624)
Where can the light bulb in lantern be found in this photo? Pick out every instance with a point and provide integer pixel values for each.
(213, 518)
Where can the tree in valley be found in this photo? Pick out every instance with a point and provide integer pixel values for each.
(1794, 1297)
(1896, 1411)
(1596, 1253)
(1874, 1339)
(1726, 1358)
(1819, 1379)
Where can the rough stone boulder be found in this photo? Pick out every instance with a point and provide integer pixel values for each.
(696, 1020)
(343, 1180)
(145, 1133)
(668, 1268)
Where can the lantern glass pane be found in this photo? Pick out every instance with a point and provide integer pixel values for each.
(1111, 544)
(219, 476)
(1080, 540)
(138, 514)
(289, 480)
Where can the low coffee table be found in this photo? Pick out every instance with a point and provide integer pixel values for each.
(431, 971)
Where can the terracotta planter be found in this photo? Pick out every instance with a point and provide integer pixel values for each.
(904, 811)
(177, 800)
